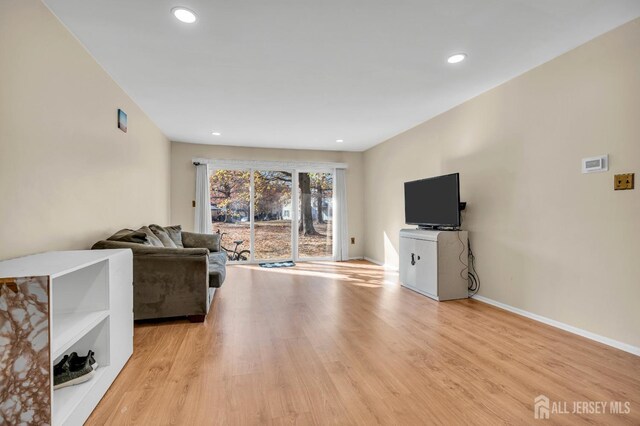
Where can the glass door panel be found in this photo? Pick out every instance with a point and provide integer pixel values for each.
(272, 215)
(230, 214)
(315, 232)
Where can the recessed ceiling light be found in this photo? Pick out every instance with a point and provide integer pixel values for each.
(458, 57)
(339, 140)
(184, 15)
(216, 133)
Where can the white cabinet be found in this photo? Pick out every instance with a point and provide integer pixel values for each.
(55, 303)
(434, 263)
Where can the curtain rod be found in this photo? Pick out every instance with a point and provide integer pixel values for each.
(269, 165)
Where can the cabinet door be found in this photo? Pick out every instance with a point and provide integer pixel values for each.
(426, 268)
(407, 270)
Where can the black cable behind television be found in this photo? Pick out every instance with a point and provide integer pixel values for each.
(433, 202)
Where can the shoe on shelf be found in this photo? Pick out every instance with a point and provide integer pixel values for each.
(79, 361)
(58, 368)
(73, 370)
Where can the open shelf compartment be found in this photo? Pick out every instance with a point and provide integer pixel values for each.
(69, 328)
(65, 400)
(80, 300)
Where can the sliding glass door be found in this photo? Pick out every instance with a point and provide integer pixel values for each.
(230, 210)
(315, 191)
(273, 215)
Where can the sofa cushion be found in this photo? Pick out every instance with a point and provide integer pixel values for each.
(152, 240)
(217, 268)
(175, 233)
(162, 235)
(129, 236)
(210, 241)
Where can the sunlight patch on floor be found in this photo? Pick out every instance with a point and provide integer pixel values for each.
(356, 274)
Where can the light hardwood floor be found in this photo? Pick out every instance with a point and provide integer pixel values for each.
(336, 343)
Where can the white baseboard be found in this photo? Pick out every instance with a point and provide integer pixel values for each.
(384, 265)
(566, 327)
(356, 258)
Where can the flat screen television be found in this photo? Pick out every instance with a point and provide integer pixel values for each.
(433, 202)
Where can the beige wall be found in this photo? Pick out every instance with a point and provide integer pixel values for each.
(183, 177)
(548, 239)
(68, 176)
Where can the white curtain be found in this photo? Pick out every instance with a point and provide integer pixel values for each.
(203, 204)
(340, 227)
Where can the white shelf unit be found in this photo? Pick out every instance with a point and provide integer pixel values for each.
(88, 305)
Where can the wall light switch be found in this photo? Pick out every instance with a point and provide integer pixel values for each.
(193, 203)
(353, 240)
(623, 181)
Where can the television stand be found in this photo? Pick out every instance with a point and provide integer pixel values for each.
(433, 263)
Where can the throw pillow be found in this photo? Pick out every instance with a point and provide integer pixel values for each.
(163, 235)
(152, 240)
(175, 233)
(129, 236)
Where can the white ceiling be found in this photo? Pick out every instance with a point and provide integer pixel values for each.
(303, 73)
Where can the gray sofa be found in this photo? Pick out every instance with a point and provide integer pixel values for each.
(175, 273)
